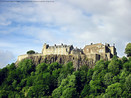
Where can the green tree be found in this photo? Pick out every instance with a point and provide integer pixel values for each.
(127, 66)
(3, 94)
(114, 90)
(85, 90)
(100, 65)
(12, 75)
(40, 68)
(31, 52)
(128, 49)
(3, 74)
(80, 79)
(114, 66)
(70, 93)
(89, 75)
(67, 84)
(37, 91)
(14, 84)
(53, 66)
(108, 79)
(26, 66)
(122, 76)
(66, 70)
(96, 87)
(22, 83)
(124, 59)
(128, 83)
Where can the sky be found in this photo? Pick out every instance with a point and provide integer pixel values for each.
(28, 25)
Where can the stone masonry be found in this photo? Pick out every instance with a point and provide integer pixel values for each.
(65, 53)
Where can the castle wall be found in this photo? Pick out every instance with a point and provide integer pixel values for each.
(94, 49)
(21, 57)
(56, 50)
(95, 57)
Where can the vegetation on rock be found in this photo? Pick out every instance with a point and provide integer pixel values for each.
(31, 52)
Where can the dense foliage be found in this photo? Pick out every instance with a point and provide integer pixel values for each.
(31, 52)
(108, 79)
(128, 49)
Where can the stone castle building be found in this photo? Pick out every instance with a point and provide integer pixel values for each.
(60, 50)
(100, 51)
(65, 53)
(95, 51)
(57, 49)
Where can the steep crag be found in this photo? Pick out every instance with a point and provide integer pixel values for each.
(78, 60)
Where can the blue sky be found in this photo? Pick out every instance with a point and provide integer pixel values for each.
(25, 26)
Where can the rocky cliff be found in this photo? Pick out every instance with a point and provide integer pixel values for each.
(78, 60)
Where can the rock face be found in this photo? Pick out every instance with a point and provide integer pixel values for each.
(78, 60)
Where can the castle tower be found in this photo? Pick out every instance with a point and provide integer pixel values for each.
(113, 50)
(45, 46)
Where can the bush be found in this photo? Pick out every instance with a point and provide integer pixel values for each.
(31, 52)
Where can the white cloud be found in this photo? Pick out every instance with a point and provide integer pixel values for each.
(5, 57)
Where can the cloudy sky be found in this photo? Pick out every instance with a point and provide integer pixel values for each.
(28, 25)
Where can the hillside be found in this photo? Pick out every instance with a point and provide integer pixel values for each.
(107, 79)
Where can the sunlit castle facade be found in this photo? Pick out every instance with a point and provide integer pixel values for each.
(98, 50)
(94, 51)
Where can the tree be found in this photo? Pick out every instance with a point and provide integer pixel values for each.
(26, 66)
(80, 79)
(67, 85)
(100, 65)
(114, 66)
(85, 90)
(128, 83)
(69, 93)
(127, 66)
(3, 74)
(114, 90)
(41, 68)
(96, 87)
(124, 59)
(108, 79)
(128, 49)
(31, 52)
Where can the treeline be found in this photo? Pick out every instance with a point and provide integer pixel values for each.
(108, 79)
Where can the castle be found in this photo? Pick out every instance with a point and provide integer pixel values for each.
(94, 52)
(60, 50)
